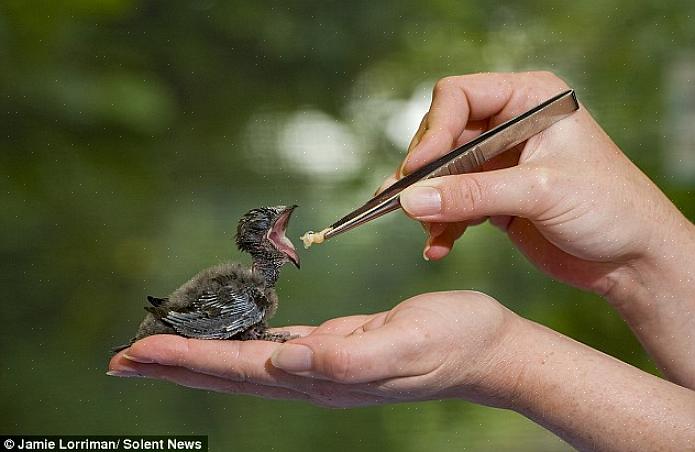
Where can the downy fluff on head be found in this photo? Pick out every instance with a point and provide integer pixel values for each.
(261, 233)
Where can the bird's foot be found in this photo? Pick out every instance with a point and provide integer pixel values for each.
(279, 336)
(265, 335)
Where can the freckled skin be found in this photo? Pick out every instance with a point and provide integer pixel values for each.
(228, 300)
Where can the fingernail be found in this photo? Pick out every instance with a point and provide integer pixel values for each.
(421, 201)
(137, 359)
(401, 169)
(404, 164)
(122, 373)
(124, 370)
(428, 243)
(413, 144)
(293, 358)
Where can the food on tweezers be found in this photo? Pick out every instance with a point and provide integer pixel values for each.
(312, 237)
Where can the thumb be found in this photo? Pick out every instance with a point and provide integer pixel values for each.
(517, 191)
(357, 358)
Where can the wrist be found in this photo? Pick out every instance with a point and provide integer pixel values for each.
(656, 298)
(500, 373)
(587, 397)
(664, 271)
(524, 356)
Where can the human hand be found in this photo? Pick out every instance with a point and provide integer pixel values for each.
(570, 200)
(433, 346)
(568, 197)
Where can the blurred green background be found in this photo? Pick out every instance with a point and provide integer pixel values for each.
(135, 133)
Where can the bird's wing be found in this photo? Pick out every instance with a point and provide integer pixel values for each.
(217, 315)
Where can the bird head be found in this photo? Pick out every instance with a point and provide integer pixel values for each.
(261, 233)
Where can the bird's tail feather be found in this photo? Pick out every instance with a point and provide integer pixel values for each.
(158, 312)
(118, 348)
(156, 301)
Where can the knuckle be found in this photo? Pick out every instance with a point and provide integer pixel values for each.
(183, 352)
(443, 84)
(483, 306)
(542, 181)
(329, 325)
(236, 372)
(533, 91)
(339, 365)
(482, 299)
(548, 81)
(544, 75)
(554, 81)
(138, 347)
(466, 198)
(541, 84)
(541, 187)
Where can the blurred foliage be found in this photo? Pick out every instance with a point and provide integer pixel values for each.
(134, 134)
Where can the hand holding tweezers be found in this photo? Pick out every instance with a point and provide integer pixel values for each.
(467, 158)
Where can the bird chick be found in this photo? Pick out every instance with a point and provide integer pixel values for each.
(229, 300)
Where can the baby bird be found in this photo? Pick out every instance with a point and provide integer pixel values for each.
(230, 301)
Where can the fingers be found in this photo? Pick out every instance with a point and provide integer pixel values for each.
(299, 330)
(321, 393)
(374, 354)
(241, 361)
(517, 191)
(386, 184)
(455, 100)
(422, 128)
(458, 100)
(191, 379)
(344, 325)
(472, 130)
(439, 246)
(250, 374)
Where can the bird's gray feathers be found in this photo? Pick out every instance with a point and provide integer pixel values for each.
(218, 303)
(251, 237)
(213, 280)
(154, 301)
(217, 316)
(253, 226)
(228, 301)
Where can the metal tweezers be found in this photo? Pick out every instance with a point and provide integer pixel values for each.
(467, 158)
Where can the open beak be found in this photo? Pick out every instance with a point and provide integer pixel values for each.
(277, 235)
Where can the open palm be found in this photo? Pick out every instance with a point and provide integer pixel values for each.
(431, 346)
